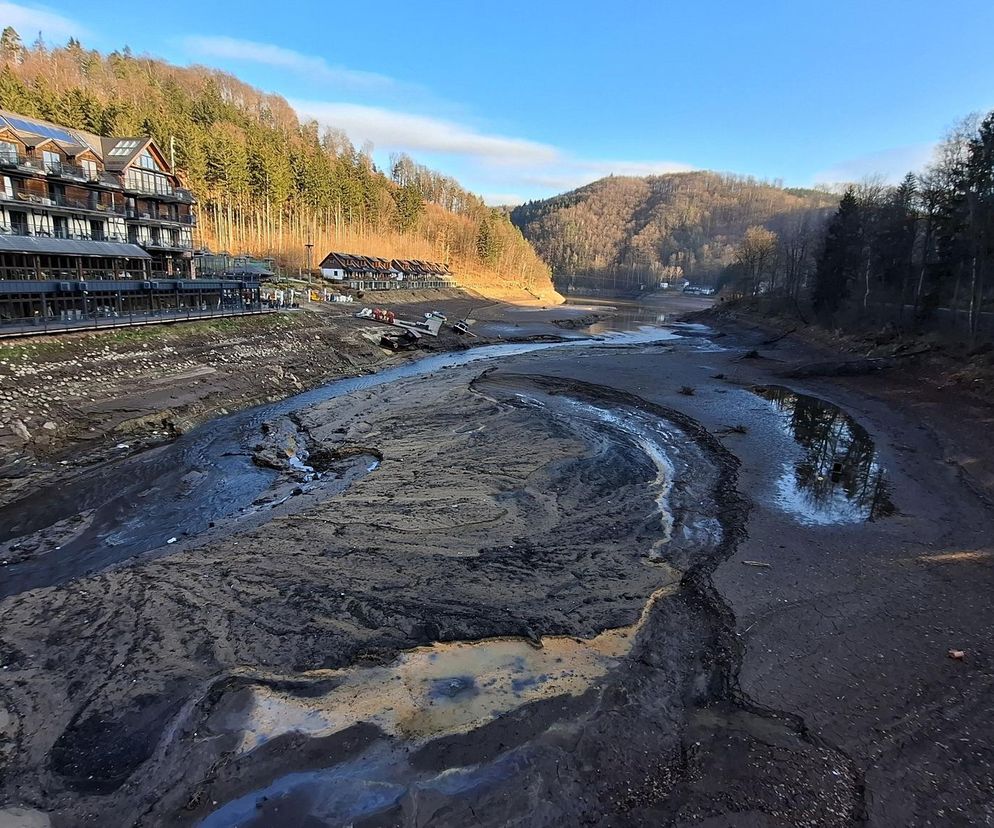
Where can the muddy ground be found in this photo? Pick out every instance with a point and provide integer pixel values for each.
(782, 567)
(84, 398)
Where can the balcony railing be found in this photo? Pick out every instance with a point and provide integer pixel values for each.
(166, 244)
(59, 169)
(169, 194)
(138, 215)
(59, 201)
(58, 233)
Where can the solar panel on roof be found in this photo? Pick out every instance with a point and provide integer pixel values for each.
(57, 133)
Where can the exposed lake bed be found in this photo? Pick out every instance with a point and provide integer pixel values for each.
(540, 605)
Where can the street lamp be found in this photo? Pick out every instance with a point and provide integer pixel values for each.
(309, 244)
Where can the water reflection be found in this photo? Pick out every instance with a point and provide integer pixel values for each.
(838, 479)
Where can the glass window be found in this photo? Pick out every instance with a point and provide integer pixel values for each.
(148, 182)
(123, 147)
(8, 187)
(146, 161)
(8, 152)
(89, 169)
(52, 161)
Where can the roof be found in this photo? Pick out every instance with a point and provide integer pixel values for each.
(119, 152)
(353, 263)
(115, 152)
(417, 267)
(26, 127)
(71, 247)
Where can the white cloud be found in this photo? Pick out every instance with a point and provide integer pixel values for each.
(388, 129)
(29, 20)
(891, 164)
(268, 54)
(503, 199)
(495, 163)
(532, 166)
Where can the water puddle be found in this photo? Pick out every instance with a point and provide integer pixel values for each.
(378, 781)
(437, 690)
(838, 478)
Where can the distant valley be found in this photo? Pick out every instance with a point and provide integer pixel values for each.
(622, 234)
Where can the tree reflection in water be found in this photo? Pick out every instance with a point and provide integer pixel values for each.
(838, 480)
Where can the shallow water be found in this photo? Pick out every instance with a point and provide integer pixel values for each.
(441, 689)
(424, 694)
(838, 478)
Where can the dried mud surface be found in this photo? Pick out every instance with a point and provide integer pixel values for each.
(619, 622)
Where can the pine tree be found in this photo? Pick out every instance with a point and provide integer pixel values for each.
(839, 263)
(11, 47)
(410, 206)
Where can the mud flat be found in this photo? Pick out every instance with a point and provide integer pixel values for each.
(622, 583)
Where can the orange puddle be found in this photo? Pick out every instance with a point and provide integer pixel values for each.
(445, 688)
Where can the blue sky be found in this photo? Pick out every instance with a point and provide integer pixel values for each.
(521, 100)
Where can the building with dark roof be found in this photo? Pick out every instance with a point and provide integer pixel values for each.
(371, 273)
(93, 225)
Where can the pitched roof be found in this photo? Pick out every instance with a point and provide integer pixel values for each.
(118, 153)
(71, 247)
(115, 152)
(354, 263)
(417, 267)
(35, 128)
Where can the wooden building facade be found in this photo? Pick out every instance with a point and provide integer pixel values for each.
(94, 226)
(371, 273)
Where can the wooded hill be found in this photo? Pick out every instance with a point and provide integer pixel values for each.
(917, 256)
(622, 233)
(266, 182)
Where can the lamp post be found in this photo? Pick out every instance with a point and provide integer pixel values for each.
(309, 245)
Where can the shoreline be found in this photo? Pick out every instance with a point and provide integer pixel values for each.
(191, 378)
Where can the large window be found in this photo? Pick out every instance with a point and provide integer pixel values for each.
(8, 187)
(19, 222)
(8, 152)
(148, 182)
(89, 169)
(53, 163)
(147, 162)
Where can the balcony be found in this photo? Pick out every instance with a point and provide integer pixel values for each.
(20, 230)
(58, 202)
(165, 244)
(171, 194)
(15, 160)
(75, 172)
(58, 169)
(131, 214)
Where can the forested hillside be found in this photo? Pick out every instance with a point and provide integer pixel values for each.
(267, 182)
(919, 254)
(622, 233)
